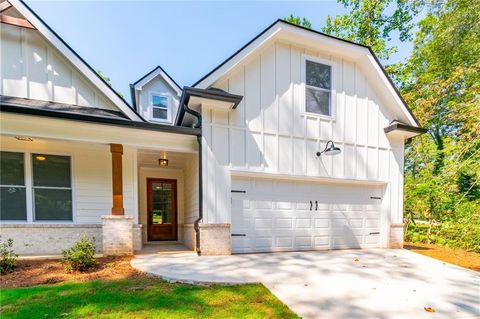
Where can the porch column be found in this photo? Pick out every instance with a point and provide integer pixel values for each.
(117, 180)
(117, 229)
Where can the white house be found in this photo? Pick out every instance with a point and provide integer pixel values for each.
(295, 142)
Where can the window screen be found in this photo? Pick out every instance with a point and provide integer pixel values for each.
(318, 85)
(52, 188)
(13, 202)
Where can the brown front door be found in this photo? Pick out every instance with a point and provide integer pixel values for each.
(162, 209)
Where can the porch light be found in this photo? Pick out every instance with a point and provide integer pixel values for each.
(330, 150)
(24, 138)
(163, 161)
(40, 158)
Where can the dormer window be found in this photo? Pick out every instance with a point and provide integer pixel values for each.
(318, 86)
(160, 107)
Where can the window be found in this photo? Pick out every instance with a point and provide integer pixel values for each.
(318, 88)
(52, 187)
(160, 109)
(13, 200)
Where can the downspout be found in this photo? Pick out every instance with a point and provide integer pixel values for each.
(200, 179)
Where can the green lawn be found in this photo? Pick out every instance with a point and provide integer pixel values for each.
(140, 298)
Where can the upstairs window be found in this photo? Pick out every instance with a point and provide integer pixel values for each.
(13, 203)
(318, 87)
(160, 107)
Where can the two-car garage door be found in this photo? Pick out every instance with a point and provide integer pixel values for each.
(281, 215)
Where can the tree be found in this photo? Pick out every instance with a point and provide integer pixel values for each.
(107, 80)
(303, 22)
(441, 83)
(371, 22)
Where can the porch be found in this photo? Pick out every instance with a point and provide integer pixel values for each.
(68, 178)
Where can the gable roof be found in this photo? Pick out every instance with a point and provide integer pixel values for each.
(295, 32)
(157, 71)
(75, 59)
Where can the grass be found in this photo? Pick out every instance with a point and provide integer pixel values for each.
(141, 298)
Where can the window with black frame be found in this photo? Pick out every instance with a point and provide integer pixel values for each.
(318, 88)
(13, 200)
(52, 187)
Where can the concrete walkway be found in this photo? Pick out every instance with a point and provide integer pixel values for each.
(374, 284)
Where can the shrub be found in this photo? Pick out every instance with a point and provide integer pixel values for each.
(81, 256)
(8, 258)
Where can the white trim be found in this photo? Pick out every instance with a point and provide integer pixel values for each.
(165, 77)
(333, 91)
(169, 107)
(75, 60)
(335, 180)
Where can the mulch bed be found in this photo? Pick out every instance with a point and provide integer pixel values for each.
(29, 273)
(459, 257)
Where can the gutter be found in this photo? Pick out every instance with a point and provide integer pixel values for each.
(197, 125)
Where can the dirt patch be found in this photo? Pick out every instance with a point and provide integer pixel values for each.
(37, 272)
(460, 257)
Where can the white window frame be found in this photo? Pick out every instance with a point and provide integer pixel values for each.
(169, 107)
(333, 92)
(28, 167)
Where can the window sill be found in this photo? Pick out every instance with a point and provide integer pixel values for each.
(47, 225)
(320, 116)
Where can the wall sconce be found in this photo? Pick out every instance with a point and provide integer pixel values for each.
(163, 161)
(330, 150)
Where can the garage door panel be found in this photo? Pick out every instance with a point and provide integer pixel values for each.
(284, 242)
(263, 243)
(281, 223)
(322, 241)
(303, 223)
(299, 206)
(322, 223)
(276, 216)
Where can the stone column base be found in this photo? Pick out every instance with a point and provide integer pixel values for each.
(215, 239)
(137, 237)
(396, 236)
(117, 235)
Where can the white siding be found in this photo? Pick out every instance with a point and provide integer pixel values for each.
(92, 175)
(270, 133)
(191, 190)
(32, 68)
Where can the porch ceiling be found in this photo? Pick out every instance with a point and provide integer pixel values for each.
(176, 160)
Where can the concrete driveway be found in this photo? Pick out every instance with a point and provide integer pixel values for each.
(374, 284)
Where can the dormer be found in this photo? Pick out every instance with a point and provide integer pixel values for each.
(156, 96)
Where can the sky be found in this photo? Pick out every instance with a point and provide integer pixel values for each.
(127, 39)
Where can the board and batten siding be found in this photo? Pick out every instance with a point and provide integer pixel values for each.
(32, 68)
(270, 133)
(91, 175)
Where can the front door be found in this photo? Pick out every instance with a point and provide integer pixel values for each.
(162, 209)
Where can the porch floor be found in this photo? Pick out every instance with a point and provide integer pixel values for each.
(165, 248)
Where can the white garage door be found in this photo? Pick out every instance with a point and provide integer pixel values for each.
(279, 215)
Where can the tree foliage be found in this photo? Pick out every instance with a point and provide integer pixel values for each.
(303, 22)
(372, 22)
(441, 83)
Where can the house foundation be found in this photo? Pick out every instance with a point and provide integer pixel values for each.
(215, 239)
(396, 236)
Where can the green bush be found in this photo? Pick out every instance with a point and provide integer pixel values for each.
(81, 256)
(8, 258)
